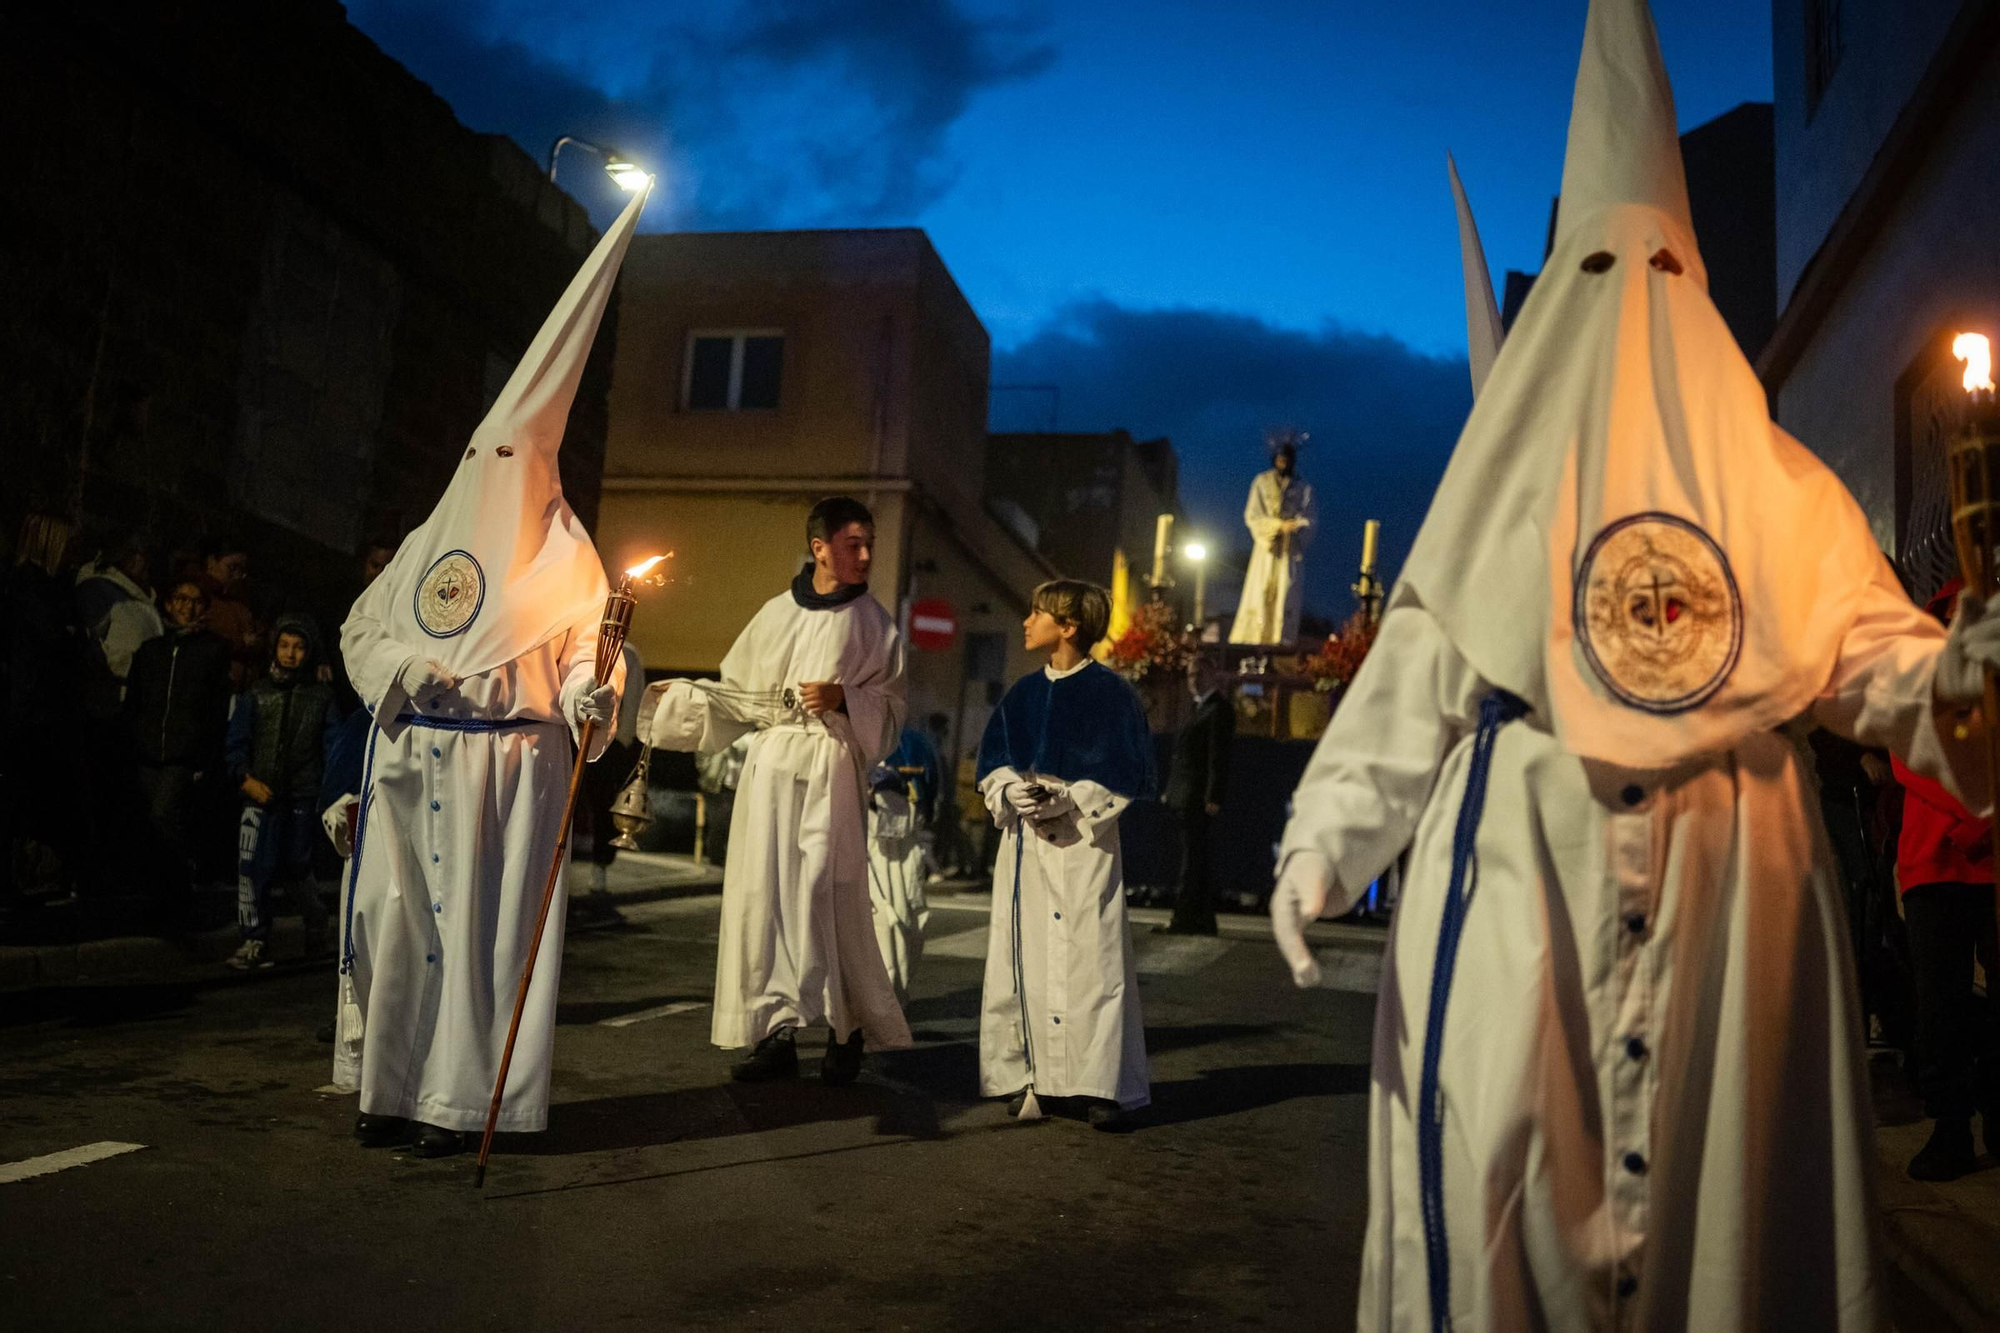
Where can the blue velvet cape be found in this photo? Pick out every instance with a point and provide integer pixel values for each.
(1086, 727)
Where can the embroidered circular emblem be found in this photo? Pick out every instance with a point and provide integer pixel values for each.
(1658, 612)
(450, 595)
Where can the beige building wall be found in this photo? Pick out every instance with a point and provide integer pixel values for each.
(883, 397)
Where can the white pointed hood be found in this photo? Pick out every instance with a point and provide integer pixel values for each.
(1483, 332)
(1623, 537)
(503, 565)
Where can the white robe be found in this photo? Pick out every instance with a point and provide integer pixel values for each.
(1654, 1092)
(1079, 991)
(460, 829)
(1268, 611)
(899, 857)
(797, 942)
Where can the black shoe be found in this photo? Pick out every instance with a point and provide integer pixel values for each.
(1017, 1102)
(776, 1057)
(1949, 1154)
(843, 1060)
(436, 1141)
(381, 1131)
(1107, 1116)
(324, 1034)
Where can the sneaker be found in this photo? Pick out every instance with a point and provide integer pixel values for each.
(776, 1057)
(254, 955)
(1949, 1153)
(843, 1060)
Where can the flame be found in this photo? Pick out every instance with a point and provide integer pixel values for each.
(639, 570)
(1977, 353)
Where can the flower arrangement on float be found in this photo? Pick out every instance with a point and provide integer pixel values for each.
(1333, 666)
(1154, 646)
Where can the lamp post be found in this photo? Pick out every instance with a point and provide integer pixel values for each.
(619, 167)
(1197, 555)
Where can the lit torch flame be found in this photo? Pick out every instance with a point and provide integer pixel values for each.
(1977, 353)
(638, 571)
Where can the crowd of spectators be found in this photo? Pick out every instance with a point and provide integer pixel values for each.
(164, 744)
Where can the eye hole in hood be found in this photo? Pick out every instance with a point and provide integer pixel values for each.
(1599, 262)
(1664, 261)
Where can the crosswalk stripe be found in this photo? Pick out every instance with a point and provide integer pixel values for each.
(63, 1161)
(661, 1011)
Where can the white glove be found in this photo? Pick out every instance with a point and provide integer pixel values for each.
(1972, 646)
(424, 679)
(1304, 884)
(338, 821)
(1025, 797)
(1055, 805)
(597, 703)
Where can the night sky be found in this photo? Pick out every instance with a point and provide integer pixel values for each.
(1200, 220)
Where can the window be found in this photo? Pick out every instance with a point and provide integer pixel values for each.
(733, 370)
(1824, 44)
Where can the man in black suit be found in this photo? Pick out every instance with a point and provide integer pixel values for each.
(1194, 792)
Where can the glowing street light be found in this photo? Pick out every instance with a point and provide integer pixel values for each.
(630, 176)
(1196, 554)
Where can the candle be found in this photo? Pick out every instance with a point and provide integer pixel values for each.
(1162, 536)
(1369, 532)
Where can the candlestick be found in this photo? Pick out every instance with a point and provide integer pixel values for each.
(1369, 532)
(1163, 533)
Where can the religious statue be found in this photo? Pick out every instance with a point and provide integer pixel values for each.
(1279, 515)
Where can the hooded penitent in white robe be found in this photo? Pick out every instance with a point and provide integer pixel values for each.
(1059, 1011)
(462, 800)
(797, 941)
(1645, 1104)
(1272, 595)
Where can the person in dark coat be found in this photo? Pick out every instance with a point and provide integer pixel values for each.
(175, 713)
(1195, 788)
(1944, 865)
(279, 739)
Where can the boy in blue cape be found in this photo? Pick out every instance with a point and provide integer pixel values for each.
(1064, 754)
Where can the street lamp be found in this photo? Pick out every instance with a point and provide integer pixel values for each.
(1197, 555)
(629, 175)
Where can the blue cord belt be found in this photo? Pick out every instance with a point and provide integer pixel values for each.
(461, 724)
(1495, 711)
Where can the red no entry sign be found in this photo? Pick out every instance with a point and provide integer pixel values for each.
(933, 624)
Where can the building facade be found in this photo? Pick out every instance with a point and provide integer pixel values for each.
(1888, 122)
(1089, 503)
(259, 279)
(759, 372)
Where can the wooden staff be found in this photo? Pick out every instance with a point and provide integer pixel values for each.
(611, 633)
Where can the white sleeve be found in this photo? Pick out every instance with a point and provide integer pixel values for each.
(1097, 808)
(1881, 694)
(375, 662)
(993, 791)
(686, 719)
(1371, 776)
(1263, 524)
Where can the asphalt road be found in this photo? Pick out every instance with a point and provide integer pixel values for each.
(663, 1195)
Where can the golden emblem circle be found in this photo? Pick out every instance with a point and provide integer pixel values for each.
(450, 594)
(1658, 613)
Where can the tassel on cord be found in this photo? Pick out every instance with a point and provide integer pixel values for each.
(1030, 1108)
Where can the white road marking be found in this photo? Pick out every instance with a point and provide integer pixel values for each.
(661, 1011)
(962, 944)
(63, 1161)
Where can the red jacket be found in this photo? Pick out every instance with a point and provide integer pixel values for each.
(1941, 842)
